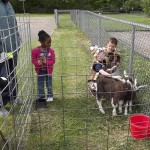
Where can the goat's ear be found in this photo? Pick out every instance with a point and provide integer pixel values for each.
(140, 87)
(125, 74)
(135, 82)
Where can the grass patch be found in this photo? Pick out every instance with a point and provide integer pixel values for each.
(133, 18)
(73, 121)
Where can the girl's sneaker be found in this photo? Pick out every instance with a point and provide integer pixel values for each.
(50, 99)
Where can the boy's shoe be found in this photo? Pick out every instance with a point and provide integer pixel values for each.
(50, 99)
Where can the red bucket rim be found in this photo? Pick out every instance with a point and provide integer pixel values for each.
(136, 115)
(140, 115)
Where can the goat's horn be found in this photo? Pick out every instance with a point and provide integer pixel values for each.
(141, 86)
(125, 73)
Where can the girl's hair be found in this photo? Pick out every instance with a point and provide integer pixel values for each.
(43, 36)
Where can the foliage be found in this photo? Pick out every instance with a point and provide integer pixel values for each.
(146, 6)
(48, 6)
(132, 5)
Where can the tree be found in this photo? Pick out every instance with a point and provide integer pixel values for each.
(108, 5)
(145, 4)
(48, 6)
(132, 5)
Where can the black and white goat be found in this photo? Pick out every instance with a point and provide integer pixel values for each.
(122, 91)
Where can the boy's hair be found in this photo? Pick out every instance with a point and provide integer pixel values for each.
(113, 40)
(43, 36)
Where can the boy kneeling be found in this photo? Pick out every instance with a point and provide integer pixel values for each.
(98, 67)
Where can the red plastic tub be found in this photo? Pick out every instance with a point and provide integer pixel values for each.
(140, 126)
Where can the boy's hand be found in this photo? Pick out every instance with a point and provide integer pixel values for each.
(114, 68)
(111, 70)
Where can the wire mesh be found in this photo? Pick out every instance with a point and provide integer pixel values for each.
(73, 121)
(13, 123)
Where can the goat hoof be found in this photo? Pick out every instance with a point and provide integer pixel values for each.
(102, 111)
(114, 114)
(130, 111)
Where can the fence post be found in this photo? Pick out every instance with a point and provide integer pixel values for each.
(99, 31)
(132, 50)
(56, 17)
(76, 14)
(84, 22)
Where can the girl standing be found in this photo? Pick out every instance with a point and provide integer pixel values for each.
(43, 58)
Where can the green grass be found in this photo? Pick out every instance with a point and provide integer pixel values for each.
(133, 18)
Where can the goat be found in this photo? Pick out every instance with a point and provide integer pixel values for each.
(120, 91)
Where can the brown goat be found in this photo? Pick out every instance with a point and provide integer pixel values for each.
(120, 93)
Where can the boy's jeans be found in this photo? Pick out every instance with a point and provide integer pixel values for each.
(41, 80)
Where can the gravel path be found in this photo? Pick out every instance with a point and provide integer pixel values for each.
(46, 23)
(41, 23)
